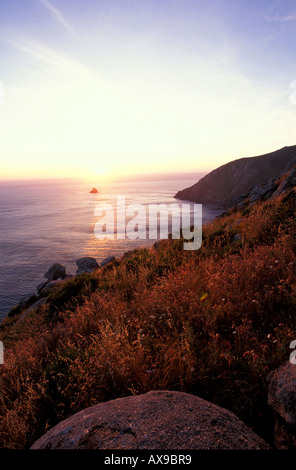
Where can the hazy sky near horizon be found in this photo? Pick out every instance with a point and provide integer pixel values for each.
(130, 86)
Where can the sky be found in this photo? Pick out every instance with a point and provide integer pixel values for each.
(117, 87)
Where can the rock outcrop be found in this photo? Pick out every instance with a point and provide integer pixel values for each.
(270, 190)
(56, 277)
(86, 265)
(56, 271)
(238, 177)
(282, 399)
(47, 287)
(155, 420)
(28, 300)
(36, 305)
(106, 261)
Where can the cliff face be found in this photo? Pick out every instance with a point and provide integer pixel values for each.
(231, 180)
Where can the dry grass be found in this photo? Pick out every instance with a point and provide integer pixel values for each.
(213, 323)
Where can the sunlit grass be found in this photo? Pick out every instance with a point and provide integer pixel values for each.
(213, 323)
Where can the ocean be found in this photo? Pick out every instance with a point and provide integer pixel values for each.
(52, 221)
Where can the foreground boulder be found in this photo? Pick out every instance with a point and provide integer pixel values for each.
(86, 265)
(282, 399)
(56, 271)
(155, 420)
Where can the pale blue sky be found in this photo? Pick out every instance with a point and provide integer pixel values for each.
(129, 86)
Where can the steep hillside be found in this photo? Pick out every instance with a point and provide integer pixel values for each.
(212, 322)
(238, 177)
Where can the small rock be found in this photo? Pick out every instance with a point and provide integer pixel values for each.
(260, 192)
(28, 300)
(236, 237)
(35, 305)
(242, 205)
(234, 224)
(86, 265)
(14, 311)
(286, 184)
(107, 261)
(41, 286)
(56, 271)
(49, 286)
(157, 245)
(127, 254)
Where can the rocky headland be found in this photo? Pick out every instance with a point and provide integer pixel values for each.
(229, 182)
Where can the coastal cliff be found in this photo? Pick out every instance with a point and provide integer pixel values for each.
(235, 178)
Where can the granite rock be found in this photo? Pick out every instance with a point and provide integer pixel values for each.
(155, 420)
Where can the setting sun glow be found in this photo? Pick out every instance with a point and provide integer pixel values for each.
(135, 87)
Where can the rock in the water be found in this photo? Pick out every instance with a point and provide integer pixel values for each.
(94, 191)
(56, 271)
(282, 399)
(155, 420)
(86, 265)
(107, 261)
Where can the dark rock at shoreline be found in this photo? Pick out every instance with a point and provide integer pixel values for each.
(28, 300)
(86, 265)
(25, 305)
(49, 286)
(155, 420)
(14, 311)
(41, 286)
(56, 271)
(235, 178)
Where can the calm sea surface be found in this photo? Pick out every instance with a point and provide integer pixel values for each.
(43, 222)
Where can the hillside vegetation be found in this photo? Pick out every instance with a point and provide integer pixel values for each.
(212, 322)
